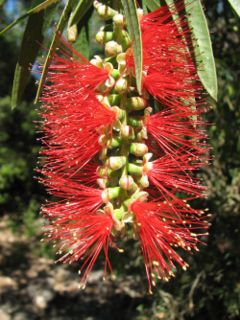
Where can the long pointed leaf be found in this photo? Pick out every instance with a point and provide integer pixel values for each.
(81, 9)
(236, 5)
(38, 8)
(59, 29)
(202, 47)
(152, 4)
(28, 53)
(130, 10)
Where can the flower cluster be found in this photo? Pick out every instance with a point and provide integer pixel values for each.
(113, 158)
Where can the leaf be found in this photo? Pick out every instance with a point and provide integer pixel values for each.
(80, 10)
(59, 29)
(42, 6)
(130, 10)
(202, 46)
(236, 5)
(28, 53)
(38, 8)
(152, 4)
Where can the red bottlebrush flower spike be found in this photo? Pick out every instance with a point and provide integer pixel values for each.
(159, 231)
(174, 175)
(83, 236)
(169, 72)
(112, 158)
(174, 131)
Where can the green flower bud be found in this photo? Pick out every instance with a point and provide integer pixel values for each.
(110, 194)
(117, 162)
(104, 36)
(138, 149)
(127, 183)
(72, 33)
(121, 85)
(119, 20)
(112, 48)
(144, 181)
(104, 11)
(136, 103)
(134, 169)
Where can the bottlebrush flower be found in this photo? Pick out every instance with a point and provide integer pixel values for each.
(176, 130)
(169, 73)
(113, 158)
(160, 230)
(83, 236)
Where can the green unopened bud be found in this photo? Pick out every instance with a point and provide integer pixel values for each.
(103, 172)
(121, 60)
(144, 181)
(118, 20)
(135, 122)
(104, 11)
(134, 169)
(104, 36)
(112, 48)
(127, 132)
(114, 142)
(136, 103)
(115, 74)
(117, 162)
(72, 33)
(97, 61)
(121, 85)
(127, 183)
(138, 149)
(114, 99)
(110, 193)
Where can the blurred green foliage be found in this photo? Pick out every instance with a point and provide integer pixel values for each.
(210, 289)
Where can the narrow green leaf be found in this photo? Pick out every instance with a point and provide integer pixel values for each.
(236, 5)
(81, 9)
(152, 4)
(59, 29)
(12, 24)
(38, 8)
(202, 46)
(28, 53)
(42, 6)
(130, 10)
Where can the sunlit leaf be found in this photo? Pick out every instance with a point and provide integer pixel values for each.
(236, 5)
(202, 46)
(81, 9)
(42, 6)
(130, 11)
(28, 53)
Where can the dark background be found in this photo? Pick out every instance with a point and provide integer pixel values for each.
(32, 287)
